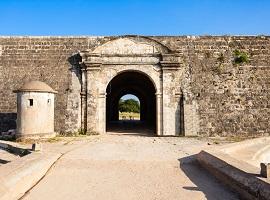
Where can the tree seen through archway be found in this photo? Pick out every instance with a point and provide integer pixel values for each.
(129, 107)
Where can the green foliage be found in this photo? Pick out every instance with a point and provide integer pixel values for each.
(129, 105)
(240, 57)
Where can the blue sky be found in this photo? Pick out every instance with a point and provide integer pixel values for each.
(130, 96)
(142, 17)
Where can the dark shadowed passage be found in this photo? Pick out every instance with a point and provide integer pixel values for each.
(138, 84)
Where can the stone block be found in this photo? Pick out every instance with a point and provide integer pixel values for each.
(265, 170)
(37, 147)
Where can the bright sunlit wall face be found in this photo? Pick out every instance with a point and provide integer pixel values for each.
(129, 107)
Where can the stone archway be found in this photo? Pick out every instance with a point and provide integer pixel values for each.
(137, 83)
(130, 54)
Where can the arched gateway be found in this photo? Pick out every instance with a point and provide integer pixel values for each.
(136, 83)
(136, 65)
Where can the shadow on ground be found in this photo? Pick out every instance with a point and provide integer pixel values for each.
(17, 151)
(4, 161)
(204, 181)
(131, 127)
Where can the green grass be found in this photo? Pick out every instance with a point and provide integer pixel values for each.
(127, 116)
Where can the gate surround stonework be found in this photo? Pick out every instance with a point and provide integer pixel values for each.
(162, 66)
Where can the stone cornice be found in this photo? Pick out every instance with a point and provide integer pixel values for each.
(171, 62)
(89, 54)
(94, 61)
(90, 66)
(167, 65)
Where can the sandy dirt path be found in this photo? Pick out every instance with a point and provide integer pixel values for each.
(131, 167)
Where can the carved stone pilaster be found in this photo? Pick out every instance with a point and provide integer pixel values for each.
(159, 114)
(90, 66)
(171, 62)
(84, 98)
(91, 61)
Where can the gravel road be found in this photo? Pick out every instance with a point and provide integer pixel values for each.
(118, 166)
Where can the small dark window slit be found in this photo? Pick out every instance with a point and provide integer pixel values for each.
(31, 102)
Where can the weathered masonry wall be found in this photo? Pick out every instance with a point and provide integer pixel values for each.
(35, 58)
(227, 99)
(231, 99)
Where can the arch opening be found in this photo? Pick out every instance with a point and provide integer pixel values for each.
(139, 85)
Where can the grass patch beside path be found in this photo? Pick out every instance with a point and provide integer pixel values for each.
(229, 139)
(58, 138)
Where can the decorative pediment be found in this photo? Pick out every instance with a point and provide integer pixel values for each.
(125, 46)
(130, 51)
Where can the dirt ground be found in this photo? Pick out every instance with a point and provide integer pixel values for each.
(128, 166)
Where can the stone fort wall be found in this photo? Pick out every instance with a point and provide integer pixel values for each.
(231, 98)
